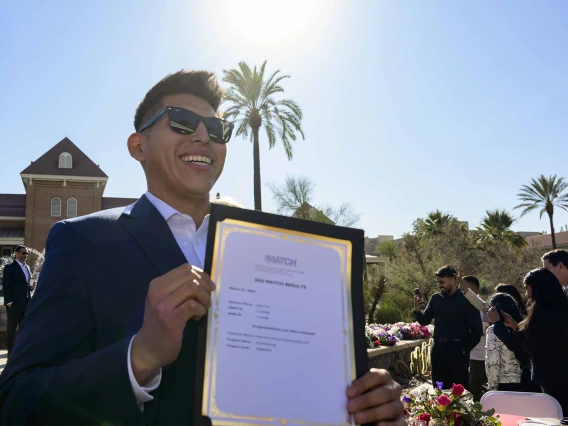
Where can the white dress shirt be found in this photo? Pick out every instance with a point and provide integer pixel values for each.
(25, 269)
(192, 242)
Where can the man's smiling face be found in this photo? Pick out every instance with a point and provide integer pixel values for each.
(182, 166)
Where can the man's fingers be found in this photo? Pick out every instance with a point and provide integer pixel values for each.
(192, 309)
(388, 411)
(370, 380)
(203, 279)
(189, 291)
(374, 398)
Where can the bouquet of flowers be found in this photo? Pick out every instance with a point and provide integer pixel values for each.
(377, 336)
(453, 408)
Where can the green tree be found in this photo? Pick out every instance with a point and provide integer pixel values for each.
(544, 193)
(496, 226)
(387, 249)
(375, 287)
(253, 105)
(436, 222)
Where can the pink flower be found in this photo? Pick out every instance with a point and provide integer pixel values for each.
(444, 401)
(457, 390)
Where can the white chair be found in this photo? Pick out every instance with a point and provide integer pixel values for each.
(522, 404)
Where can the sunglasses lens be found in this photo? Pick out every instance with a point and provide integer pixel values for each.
(219, 130)
(185, 122)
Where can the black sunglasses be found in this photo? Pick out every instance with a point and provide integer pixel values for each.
(25, 254)
(185, 122)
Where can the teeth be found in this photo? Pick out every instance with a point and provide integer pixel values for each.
(197, 159)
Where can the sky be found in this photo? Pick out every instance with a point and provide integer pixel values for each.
(409, 106)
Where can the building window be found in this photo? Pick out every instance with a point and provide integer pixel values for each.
(56, 207)
(6, 252)
(71, 207)
(65, 161)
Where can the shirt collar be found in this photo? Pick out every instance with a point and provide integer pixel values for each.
(168, 211)
(19, 263)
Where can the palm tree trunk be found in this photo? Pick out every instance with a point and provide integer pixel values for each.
(256, 165)
(552, 232)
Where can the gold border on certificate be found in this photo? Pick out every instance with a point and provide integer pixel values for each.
(223, 230)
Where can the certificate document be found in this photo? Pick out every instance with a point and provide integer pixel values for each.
(280, 338)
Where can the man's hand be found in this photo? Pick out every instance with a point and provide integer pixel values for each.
(459, 280)
(375, 398)
(9, 304)
(173, 299)
(417, 303)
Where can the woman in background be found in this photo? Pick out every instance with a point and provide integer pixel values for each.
(540, 333)
(516, 294)
(507, 370)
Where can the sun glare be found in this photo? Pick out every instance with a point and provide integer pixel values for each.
(273, 22)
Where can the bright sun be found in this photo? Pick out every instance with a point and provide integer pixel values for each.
(273, 22)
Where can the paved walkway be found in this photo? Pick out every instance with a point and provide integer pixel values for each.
(3, 358)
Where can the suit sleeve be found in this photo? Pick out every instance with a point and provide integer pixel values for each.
(425, 318)
(57, 374)
(7, 284)
(474, 325)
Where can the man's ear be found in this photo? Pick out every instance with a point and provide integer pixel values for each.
(136, 147)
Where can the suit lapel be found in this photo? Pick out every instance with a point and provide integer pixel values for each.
(153, 235)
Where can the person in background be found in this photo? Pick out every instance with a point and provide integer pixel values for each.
(556, 261)
(469, 285)
(17, 293)
(506, 370)
(458, 329)
(540, 333)
(514, 292)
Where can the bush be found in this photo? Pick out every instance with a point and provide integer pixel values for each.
(388, 313)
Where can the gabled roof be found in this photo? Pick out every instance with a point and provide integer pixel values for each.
(13, 205)
(48, 163)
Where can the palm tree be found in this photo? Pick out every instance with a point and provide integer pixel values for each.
(544, 193)
(496, 226)
(253, 105)
(387, 249)
(437, 221)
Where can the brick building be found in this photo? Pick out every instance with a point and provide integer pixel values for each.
(61, 184)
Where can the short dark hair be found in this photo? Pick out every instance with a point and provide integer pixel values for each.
(556, 256)
(202, 84)
(472, 280)
(20, 248)
(446, 271)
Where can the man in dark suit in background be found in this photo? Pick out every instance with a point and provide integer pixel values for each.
(111, 333)
(17, 293)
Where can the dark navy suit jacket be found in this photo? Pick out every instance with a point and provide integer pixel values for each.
(69, 364)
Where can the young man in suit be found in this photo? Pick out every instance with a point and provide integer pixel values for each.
(17, 293)
(112, 339)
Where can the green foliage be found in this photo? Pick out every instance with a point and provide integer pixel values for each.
(429, 247)
(496, 226)
(387, 249)
(544, 193)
